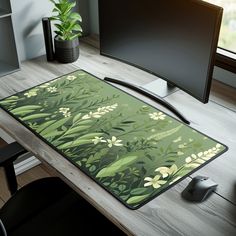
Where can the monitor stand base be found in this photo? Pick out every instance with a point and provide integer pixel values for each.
(150, 95)
(160, 87)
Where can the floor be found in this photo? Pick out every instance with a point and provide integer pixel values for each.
(37, 172)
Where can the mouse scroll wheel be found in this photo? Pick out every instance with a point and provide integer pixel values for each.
(205, 178)
(200, 178)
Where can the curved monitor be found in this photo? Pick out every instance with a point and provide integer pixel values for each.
(175, 40)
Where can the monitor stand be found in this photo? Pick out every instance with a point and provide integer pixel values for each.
(160, 87)
(150, 95)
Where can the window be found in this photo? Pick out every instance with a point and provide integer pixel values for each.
(226, 52)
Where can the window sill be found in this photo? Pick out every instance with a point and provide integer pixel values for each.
(226, 60)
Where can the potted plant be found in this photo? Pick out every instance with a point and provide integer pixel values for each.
(68, 30)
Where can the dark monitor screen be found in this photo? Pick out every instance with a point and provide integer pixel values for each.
(175, 40)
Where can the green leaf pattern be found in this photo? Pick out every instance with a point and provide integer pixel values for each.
(132, 149)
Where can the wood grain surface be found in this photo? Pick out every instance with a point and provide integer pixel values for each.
(168, 214)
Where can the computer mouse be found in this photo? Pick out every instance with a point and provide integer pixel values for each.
(199, 189)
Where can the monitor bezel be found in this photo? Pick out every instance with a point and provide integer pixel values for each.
(209, 75)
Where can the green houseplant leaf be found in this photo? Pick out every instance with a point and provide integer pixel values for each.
(67, 22)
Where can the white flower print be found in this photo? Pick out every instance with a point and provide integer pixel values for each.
(97, 140)
(65, 111)
(155, 182)
(100, 111)
(114, 142)
(52, 89)
(157, 116)
(71, 77)
(31, 93)
(165, 171)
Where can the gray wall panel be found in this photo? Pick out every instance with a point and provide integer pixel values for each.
(27, 24)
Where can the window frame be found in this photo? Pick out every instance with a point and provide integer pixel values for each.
(226, 59)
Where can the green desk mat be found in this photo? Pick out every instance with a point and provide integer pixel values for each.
(128, 147)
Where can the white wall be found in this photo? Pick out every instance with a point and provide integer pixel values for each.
(93, 17)
(27, 16)
(225, 76)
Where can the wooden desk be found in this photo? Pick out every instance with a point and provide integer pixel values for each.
(167, 214)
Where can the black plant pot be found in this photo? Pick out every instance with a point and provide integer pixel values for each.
(66, 51)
